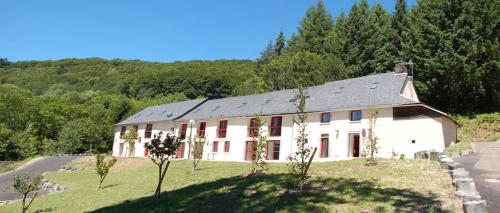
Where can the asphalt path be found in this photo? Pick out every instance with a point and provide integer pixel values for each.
(44, 164)
(484, 166)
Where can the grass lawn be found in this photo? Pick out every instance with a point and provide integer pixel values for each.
(14, 165)
(344, 186)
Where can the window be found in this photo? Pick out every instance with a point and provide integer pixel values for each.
(201, 130)
(356, 115)
(222, 129)
(122, 132)
(326, 117)
(215, 146)
(149, 129)
(324, 145)
(275, 126)
(182, 133)
(135, 128)
(249, 151)
(273, 150)
(253, 130)
(226, 146)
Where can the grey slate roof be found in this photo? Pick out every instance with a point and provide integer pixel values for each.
(163, 112)
(366, 91)
(362, 92)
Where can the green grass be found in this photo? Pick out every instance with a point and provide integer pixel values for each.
(14, 165)
(476, 128)
(344, 186)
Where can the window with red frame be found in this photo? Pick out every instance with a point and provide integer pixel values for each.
(356, 115)
(135, 128)
(253, 129)
(226, 146)
(149, 129)
(273, 150)
(250, 151)
(326, 117)
(222, 129)
(215, 146)
(182, 133)
(324, 145)
(123, 131)
(275, 126)
(201, 130)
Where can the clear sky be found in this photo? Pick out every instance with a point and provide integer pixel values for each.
(150, 30)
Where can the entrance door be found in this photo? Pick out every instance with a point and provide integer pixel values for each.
(355, 146)
(180, 151)
(120, 152)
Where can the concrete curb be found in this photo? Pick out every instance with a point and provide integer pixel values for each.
(465, 186)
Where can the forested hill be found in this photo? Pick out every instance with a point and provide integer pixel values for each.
(131, 78)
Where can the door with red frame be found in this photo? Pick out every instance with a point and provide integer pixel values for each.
(355, 146)
(180, 151)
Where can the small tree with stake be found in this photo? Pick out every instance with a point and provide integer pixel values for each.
(160, 152)
(197, 151)
(371, 146)
(259, 140)
(300, 162)
(102, 167)
(25, 184)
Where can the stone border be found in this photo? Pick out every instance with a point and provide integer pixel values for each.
(45, 186)
(465, 187)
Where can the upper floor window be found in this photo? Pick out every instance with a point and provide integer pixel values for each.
(275, 126)
(324, 145)
(356, 115)
(222, 129)
(253, 130)
(149, 129)
(135, 128)
(122, 131)
(326, 117)
(182, 133)
(201, 130)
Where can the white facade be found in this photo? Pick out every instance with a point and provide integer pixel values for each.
(397, 136)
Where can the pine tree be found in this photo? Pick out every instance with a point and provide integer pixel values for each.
(267, 55)
(314, 29)
(399, 24)
(279, 45)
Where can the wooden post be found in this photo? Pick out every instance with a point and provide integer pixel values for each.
(310, 161)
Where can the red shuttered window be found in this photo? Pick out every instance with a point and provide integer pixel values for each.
(215, 146)
(273, 150)
(249, 151)
(122, 132)
(253, 129)
(275, 126)
(149, 130)
(324, 145)
(226, 146)
(222, 129)
(201, 130)
(182, 133)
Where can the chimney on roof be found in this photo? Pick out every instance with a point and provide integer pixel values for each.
(400, 66)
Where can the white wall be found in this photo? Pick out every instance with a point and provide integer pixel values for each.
(395, 135)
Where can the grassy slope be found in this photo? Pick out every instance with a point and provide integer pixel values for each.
(346, 186)
(476, 128)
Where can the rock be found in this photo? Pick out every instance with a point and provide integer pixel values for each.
(445, 165)
(434, 155)
(455, 165)
(455, 154)
(465, 152)
(418, 155)
(465, 185)
(459, 173)
(475, 206)
(445, 160)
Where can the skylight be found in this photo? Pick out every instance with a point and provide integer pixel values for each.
(339, 90)
(242, 104)
(151, 113)
(268, 101)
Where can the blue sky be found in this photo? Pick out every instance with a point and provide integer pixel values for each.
(150, 30)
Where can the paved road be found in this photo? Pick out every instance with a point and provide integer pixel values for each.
(484, 167)
(42, 165)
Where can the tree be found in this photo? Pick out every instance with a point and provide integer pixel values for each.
(267, 55)
(130, 138)
(399, 24)
(314, 29)
(259, 141)
(299, 163)
(25, 184)
(197, 150)
(160, 152)
(102, 167)
(280, 44)
(371, 146)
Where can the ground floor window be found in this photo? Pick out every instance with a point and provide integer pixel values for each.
(226, 146)
(180, 151)
(273, 150)
(324, 145)
(199, 150)
(215, 146)
(249, 151)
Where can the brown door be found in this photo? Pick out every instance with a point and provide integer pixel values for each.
(355, 146)
(180, 151)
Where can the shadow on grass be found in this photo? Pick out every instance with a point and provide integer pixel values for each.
(266, 193)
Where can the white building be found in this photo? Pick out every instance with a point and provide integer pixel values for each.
(337, 122)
